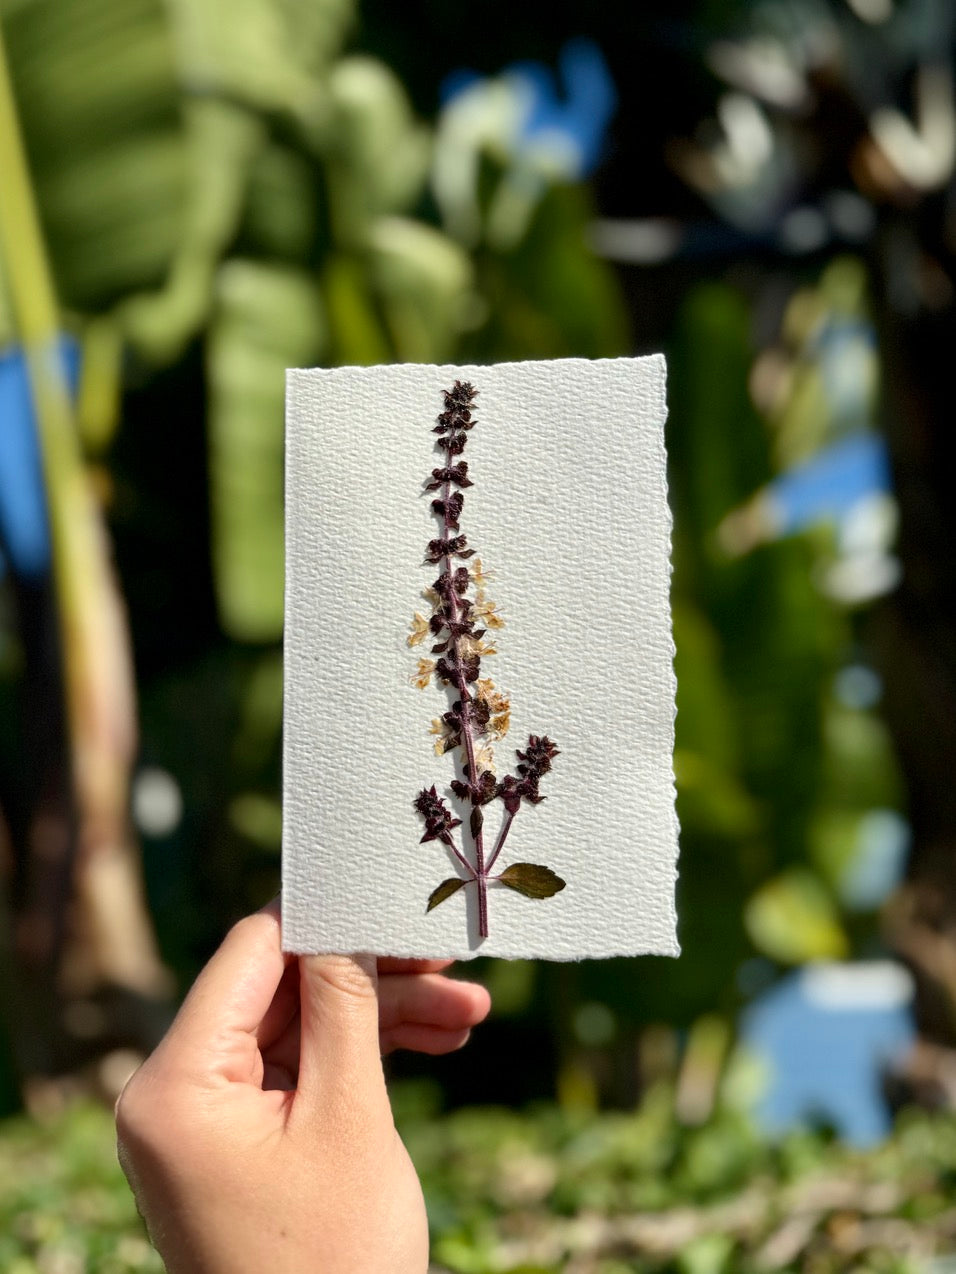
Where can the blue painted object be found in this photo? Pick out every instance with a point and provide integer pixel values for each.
(24, 531)
(831, 482)
(585, 109)
(826, 1034)
(577, 116)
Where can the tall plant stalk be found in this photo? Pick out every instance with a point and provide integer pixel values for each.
(95, 648)
(461, 616)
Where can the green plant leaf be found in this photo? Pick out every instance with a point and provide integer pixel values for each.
(444, 890)
(267, 317)
(793, 918)
(531, 880)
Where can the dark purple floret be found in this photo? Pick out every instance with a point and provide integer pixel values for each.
(461, 394)
(480, 714)
(457, 474)
(446, 671)
(449, 509)
(509, 792)
(471, 668)
(536, 759)
(487, 788)
(437, 815)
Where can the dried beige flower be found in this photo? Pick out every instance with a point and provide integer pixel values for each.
(499, 724)
(489, 614)
(479, 576)
(443, 739)
(471, 646)
(423, 675)
(418, 630)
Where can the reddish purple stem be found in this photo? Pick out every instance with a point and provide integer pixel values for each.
(479, 871)
(447, 840)
(502, 837)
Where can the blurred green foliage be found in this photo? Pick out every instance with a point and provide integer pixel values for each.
(547, 1191)
(64, 1202)
(226, 191)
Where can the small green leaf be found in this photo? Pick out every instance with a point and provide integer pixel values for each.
(444, 890)
(531, 880)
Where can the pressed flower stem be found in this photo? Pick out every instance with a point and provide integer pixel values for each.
(479, 871)
(447, 840)
(502, 837)
(479, 713)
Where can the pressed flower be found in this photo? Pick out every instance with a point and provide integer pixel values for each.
(492, 696)
(461, 616)
(446, 670)
(488, 613)
(510, 793)
(461, 394)
(423, 674)
(475, 646)
(479, 576)
(447, 731)
(497, 701)
(496, 708)
(418, 630)
(536, 759)
(480, 715)
(450, 509)
(439, 822)
(499, 724)
(456, 475)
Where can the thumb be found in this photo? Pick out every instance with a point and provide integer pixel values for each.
(340, 1062)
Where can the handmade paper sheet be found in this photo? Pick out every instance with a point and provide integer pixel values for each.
(567, 513)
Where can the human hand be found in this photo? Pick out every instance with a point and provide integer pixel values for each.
(259, 1137)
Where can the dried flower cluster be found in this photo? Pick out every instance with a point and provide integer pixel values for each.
(460, 625)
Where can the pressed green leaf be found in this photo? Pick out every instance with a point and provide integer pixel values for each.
(531, 880)
(444, 890)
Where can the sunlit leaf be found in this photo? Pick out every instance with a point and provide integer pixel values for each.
(793, 918)
(268, 317)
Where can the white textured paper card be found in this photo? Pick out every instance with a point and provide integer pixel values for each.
(564, 506)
